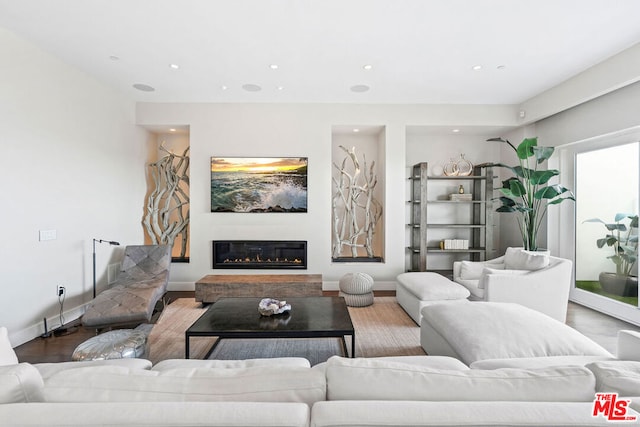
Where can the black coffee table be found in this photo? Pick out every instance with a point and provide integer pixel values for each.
(310, 317)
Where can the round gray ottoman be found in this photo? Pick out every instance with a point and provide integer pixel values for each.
(116, 344)
(357, 289)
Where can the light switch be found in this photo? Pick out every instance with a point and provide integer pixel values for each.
(47, 235)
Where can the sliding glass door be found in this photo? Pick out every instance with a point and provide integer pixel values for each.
(605, 176)
(607, 222)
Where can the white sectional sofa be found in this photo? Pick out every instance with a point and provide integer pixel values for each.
(398, 391)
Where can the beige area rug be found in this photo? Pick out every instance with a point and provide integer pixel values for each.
(382, 329)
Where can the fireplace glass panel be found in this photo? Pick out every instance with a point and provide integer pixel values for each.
(260, 254)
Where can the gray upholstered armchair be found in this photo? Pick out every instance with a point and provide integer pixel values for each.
(142, 282)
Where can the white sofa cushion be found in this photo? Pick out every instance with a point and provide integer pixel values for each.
(386, 413)
(20, 383)
(472, 270)
(260, 384)
(7, 355)
(493, 330)
(538, 362)
(432, 362)
(157, 414)
(628, 345)
(486, 271)
(519, 259)
(429, 286)
(619, 376)
(169, 364)
(49, 369)
(367, 379)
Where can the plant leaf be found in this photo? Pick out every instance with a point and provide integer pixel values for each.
(543, 153)
(516, 187)
(525, 149)
(542, 177)
(550, 192)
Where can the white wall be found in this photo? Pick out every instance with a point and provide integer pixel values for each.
(302, 130)
(74, 163)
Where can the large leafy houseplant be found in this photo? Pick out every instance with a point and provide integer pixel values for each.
(528, 193)
(622, 239)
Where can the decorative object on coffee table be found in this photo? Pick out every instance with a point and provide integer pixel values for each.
(356, 289)
(270, 306)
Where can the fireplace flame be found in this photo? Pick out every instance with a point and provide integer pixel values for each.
(257, 259)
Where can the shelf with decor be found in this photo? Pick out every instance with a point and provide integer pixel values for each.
(441, 226)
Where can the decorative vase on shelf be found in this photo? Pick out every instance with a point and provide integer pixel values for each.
(464, 166)
(451, 168)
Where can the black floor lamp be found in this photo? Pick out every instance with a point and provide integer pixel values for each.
(111, 242)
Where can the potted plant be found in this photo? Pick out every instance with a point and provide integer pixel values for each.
(528, 193)
(623, 240)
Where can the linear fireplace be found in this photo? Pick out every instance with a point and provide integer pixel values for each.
(260, 254)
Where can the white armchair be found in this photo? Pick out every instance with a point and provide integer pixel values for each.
(538, 281)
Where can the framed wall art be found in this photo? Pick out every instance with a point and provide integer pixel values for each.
(259, 184)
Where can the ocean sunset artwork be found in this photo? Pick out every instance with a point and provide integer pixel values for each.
(259, 184)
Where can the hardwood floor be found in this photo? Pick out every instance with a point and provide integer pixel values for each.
(599, 327)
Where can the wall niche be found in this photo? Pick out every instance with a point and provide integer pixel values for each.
(357, 193)
(166, 206)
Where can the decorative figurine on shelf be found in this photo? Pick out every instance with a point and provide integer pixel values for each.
(451, 168)
(464, 166)
(460, 189)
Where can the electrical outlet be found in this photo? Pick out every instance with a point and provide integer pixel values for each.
(60, 290)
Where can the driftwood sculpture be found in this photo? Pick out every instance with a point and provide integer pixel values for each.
(355, 210)
(167, 210)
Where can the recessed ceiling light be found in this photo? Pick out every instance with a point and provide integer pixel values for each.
(280, 87)
(273, 66)
(360, 88)
(174, 66)
(476, 67)
(224, 87)
(367, 66)
(143, 87)
(356, 130)
(249, 87)
(455, 130)
(172, 130)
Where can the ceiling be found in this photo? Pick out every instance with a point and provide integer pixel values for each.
(419, 51)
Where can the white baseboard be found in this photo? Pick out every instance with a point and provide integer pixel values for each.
(27, 334)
